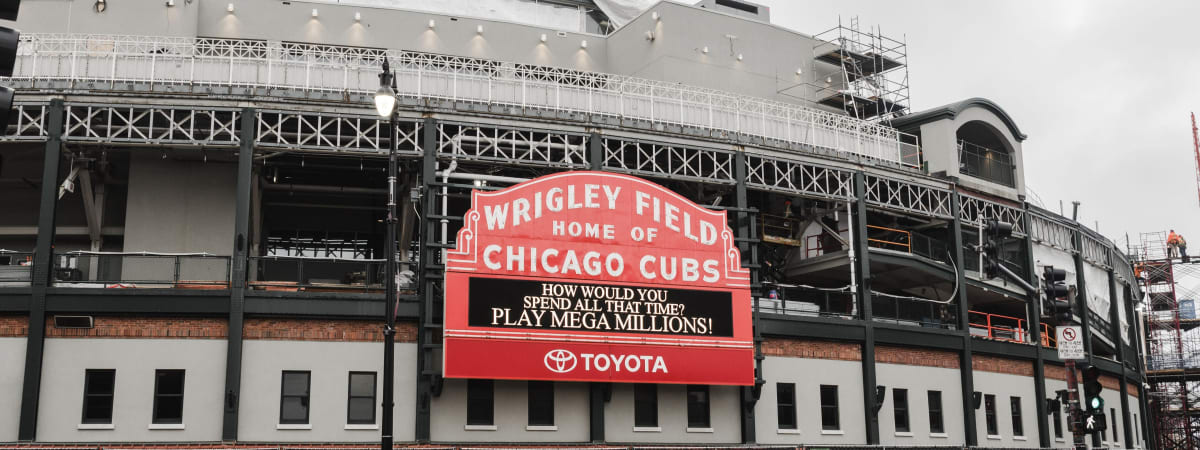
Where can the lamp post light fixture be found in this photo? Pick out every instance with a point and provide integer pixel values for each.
(385, 105)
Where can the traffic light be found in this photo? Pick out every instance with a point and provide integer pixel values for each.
(1091, 391)
(995, 232)
(1058, 296)
(9, 38)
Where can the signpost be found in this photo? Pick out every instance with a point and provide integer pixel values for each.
(591, 276)
(1070, 343)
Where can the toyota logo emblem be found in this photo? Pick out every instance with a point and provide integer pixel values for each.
(560, 361)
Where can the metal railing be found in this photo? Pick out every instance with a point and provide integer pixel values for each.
(15, 268)
(909, 311)
(985, 163)
(310, 274)
(109, 60)
(1007, 328)
(807, 301)
(889, 238)
(141, 270)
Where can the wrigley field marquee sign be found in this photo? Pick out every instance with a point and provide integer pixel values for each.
(592, 276)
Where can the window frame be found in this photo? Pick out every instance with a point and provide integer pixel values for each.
(350, 396)
(706, 404)
(989, 411)
(539, 404)
(87, 378)
(478, 387)
(154, 419)
(306, 398)
(790, 406)
(1017, 416)
(647, 398)
(940, 411)
(899, 410)
(834, 407)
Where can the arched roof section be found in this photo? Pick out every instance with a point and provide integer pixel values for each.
(952, 110)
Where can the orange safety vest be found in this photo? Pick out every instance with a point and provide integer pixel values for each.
(1172, 238)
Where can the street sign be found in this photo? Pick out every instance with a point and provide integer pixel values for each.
(1070, 343)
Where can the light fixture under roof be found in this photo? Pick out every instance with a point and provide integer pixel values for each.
(543, 38)
(740, 56)
(432, 24)
(479, 29)
(583, 43)
(357, 16)
(170, 3)
(704, 50)
(315, 14)
(654, 15)
(229, 8)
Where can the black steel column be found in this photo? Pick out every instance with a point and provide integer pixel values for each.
(595, 151)
(428, 327)
(1145, 422)
(42, 266)
(966, 370)
(237, 276)
(1081, 293)
(1115, 329)
(1033, 310)
(598, 393)
(862, 279)
(748, 248)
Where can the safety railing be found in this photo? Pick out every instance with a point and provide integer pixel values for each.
(15, 268)
(807, 301)
(310, 274)
(110, 60)
(141, 270)
(1007, 328)
(912, 311)
(985, 163)
(889, 238)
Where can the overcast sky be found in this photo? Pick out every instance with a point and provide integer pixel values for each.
(1102, 88)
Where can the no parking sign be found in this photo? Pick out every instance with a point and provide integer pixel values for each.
(1070, 343)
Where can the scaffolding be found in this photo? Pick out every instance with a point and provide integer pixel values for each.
(1172, 343)
(872, 72)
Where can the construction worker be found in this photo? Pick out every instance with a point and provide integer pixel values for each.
(1182, 244)
(1172, 245)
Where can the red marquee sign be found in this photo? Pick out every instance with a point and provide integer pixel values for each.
(592, 276)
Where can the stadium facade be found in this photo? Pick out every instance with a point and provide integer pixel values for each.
(194, 209)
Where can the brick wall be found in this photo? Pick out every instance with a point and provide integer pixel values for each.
(797, 348)
(14, 326)
(916, 357)
(145, 328)
(1002, 365)
(1056, 372)
(1110, 383)
(325, 330)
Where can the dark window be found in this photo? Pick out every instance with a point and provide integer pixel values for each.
(1112, 414)
(98, 395)
(293, 398)
(645, 405)
(1018, 427)
(480, 401)
(989, 404)
(1057, 423)
(697, 406)
(738, 6)
(936, 422)
(1137, 437)
(829, 408)
(900, 408)
(360, 402)
(168, 396)
(785, 398)
(541, 403)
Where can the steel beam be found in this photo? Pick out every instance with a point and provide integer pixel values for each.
(862, 280)
(966, 370)
(237, 277)
(42, 266)
(749, 251)
(1033, 310)
(427, 326)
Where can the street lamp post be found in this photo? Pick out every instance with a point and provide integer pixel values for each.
(385, 105)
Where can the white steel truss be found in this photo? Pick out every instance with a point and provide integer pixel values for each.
(795, 177)
(512, 145)
(1050, 232)
(907, 196)
(976, 211)
(114, 61)
(668, 160)
(1096, 251)
(333, 132)
(151, 125)
(30, 122)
